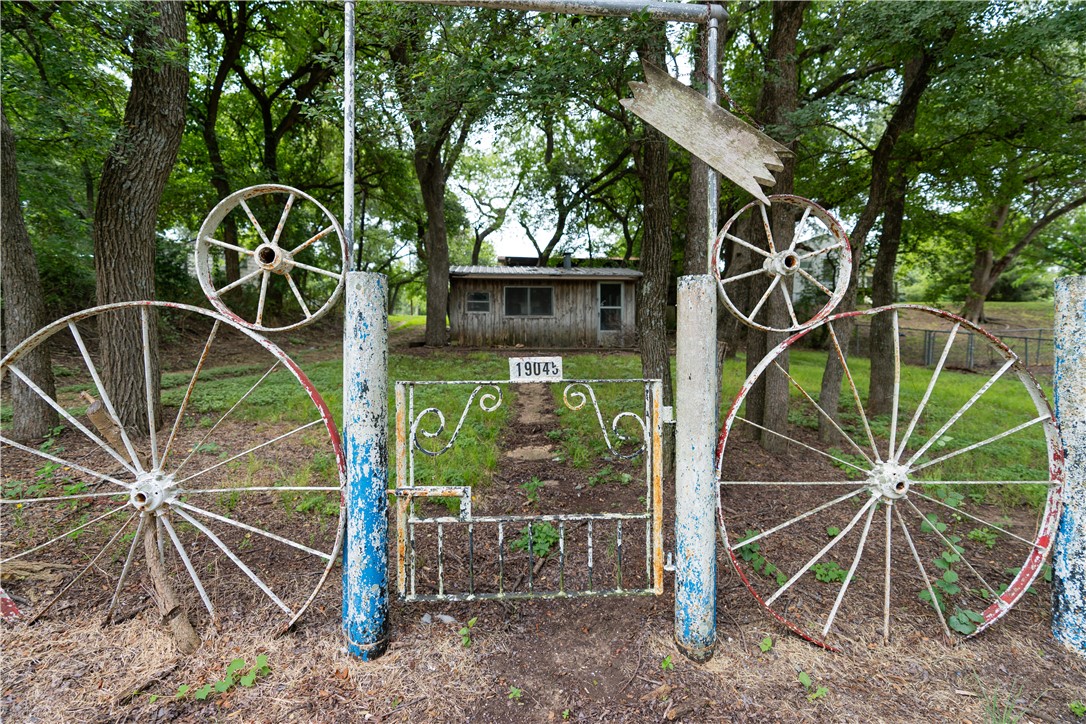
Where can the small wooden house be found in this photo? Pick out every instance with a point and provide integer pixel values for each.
(542, 306)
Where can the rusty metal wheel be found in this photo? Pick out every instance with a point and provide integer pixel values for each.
(939, 512)
(238, 480)
(291, 250)
(809, 268)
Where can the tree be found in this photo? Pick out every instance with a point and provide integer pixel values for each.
(133, 178)
(24, 307)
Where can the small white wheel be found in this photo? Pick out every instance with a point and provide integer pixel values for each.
(240, 476)
(817, 258)
(290, 247)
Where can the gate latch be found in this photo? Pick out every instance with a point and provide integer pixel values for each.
(463, 492)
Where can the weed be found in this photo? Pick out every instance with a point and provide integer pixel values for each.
(667, 664)
(766, 645)
(566, 714)
(987, 536)
(514, 693)
(465, 632)
(608, 474)
(829, 572)
(813, 693)
(752, 553)
(833, 531)
(532, 489)
(233, 677)
(318, 503)
(964, 621)
(1077, 708)
(542, 538)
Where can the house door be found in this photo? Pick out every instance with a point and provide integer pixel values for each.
(609, 316)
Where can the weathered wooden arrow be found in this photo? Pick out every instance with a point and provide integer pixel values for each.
(736, 149)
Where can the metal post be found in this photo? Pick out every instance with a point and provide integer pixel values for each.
(348, 123)
(695, 480)
(365, 445)
(712, 71)
(1069, 566)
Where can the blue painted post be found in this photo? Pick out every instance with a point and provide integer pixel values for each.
(695, 480)
(1069, 566)
(365, 446)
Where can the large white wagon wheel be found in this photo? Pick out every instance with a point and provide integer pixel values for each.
(817, 256)
(281, 232)
(925, 503)
(241, 474)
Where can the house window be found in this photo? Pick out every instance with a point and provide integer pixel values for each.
(610, 307)
(529, 301)
(478, 301)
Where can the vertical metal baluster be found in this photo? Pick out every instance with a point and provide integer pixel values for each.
(531, 558)
(471, 558)
(618, 555)
(501, 558)
(561, 556)
(590, 555)
(440, 559)
(411, 543)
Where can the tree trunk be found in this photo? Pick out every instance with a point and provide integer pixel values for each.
(698, 234)
(133, 178)
(432, 181)
(24, 307)
(881, 390)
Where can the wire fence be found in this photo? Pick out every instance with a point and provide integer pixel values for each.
(969, 350)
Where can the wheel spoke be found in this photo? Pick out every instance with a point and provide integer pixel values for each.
(825, 415)
(820, 252)
(313, 239)
(237, 561)
(798, 518)
(317, 270)
(28, 551)
(886, 577)
(188, 565)
(961, 411)
(897, 386)
(768, 228)
(924, 575)
(238, 282)
(803, 444)
(298, 295)
(771, 482)
(825, 549)
(855, 392)
(263, 296)
(982, 443)
(993, 526)
(951, 547)
(149, 392)
(746, 244)
(799, 225)
(82, 573)
(788, 304)
(225, 415)
(744, 275)
(252, 529)
(231, 247)
(57, 498)
(252, 449)
(851, 570)
(105, 397)
(62, 461)
(252, 220)
(188, 393)
(927, 393)
(124, 570)
(807, 275)
(71, 421)
(266, 488)
(768, 291)
(283, 219)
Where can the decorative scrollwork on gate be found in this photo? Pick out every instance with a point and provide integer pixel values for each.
(575, 399)
(488, 402)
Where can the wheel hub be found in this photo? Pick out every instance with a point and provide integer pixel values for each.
(784, 263)
(273, 258)
(890, 480)
(151, 491)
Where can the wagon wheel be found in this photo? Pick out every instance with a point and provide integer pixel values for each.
(240, 475)
(282, 234)
(817, 258)
(937, 514)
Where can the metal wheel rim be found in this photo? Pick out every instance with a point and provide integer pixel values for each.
(195, 517)
(280, 260)
(784, 262)
(1039, 546)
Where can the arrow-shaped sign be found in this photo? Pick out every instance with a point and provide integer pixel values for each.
(736, 149)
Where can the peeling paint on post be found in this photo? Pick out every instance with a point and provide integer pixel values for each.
(695, 481)
(1069, 566)
(365, 446)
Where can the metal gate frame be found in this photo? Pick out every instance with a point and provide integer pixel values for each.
(577, 393)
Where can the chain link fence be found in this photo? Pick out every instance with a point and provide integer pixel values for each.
(925, 346)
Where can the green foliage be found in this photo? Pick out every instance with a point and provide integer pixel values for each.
(514, 693)
(666, 664)
(237, 672)
(829, 572)
(987, 536)
(465, 631)
(813, 693)
(752, 553)
(1077, 708)
(765, 645)
(540, 537)
(531, 488)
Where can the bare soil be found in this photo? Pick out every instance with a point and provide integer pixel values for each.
(589, 659)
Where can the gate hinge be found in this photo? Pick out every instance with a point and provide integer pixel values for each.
(669, 565)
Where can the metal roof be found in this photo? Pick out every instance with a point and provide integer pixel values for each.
(546, 272)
